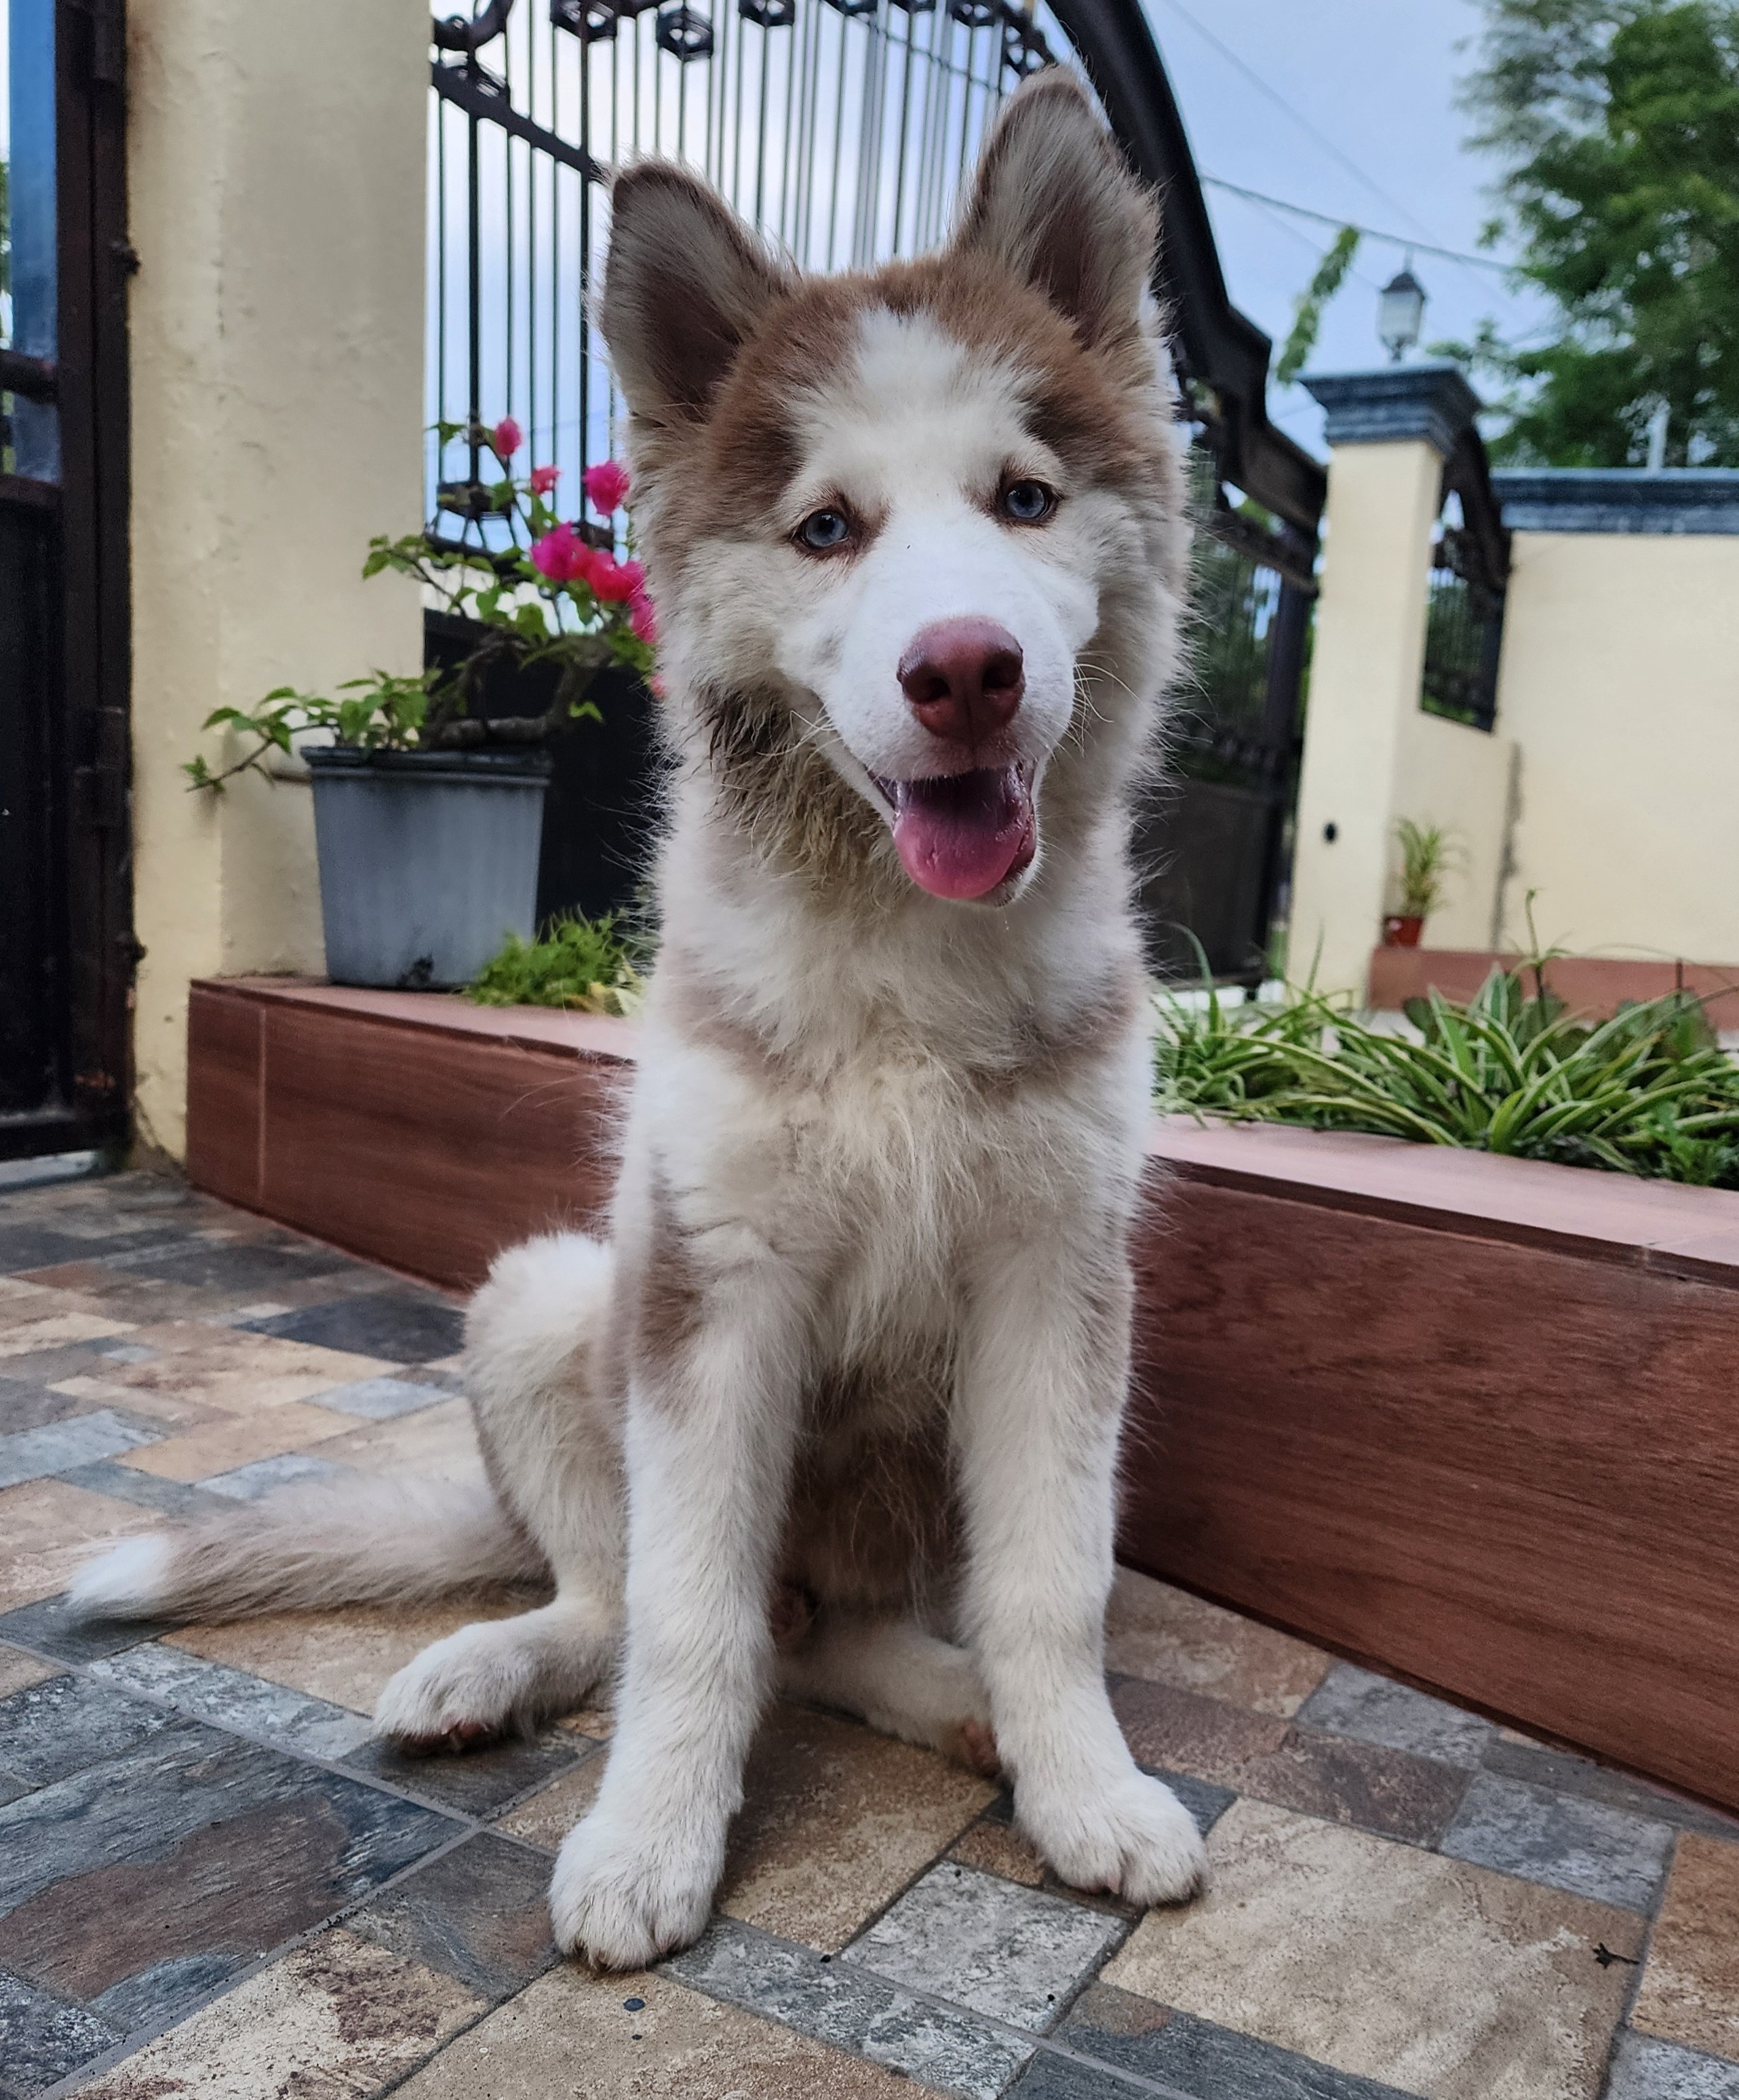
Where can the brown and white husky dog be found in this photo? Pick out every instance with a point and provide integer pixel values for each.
(853, 1362)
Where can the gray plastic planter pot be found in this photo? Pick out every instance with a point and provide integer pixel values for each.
(428, 860)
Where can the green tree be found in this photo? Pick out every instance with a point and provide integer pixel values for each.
(1620, 122)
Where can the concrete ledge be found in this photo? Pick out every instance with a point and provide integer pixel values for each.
(1593, 986)
(1430, 399)
(1618, 499)
(1469, 1419)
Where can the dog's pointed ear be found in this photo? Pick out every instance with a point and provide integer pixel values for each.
(1055, 202)
(685, 284)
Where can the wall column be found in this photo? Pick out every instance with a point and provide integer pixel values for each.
(1390, 433)
(276, 161)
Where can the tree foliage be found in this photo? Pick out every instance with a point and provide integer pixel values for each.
(1619, 122)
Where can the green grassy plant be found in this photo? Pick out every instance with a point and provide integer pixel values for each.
(1647, 1093)
(588, 965)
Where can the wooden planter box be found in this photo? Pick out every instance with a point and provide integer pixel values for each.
(1475, 1420)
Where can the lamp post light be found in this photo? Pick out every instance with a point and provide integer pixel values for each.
(1400, 309)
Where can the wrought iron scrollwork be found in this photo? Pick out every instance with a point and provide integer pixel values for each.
(457, 32)
(770, 14)
(684, 33)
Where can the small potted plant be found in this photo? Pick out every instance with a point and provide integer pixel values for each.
(1429, 854)
(428, 816)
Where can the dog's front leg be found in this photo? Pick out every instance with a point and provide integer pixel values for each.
(1043, 1376)
(709, 1437)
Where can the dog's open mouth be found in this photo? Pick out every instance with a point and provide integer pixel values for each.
(964, 835)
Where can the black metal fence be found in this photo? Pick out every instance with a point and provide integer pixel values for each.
(1470, 562)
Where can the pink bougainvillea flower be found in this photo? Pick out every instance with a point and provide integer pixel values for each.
(506, 438)
(544, 478)
(615, 582)
(641, 618)
(560, 554)
(606, 484)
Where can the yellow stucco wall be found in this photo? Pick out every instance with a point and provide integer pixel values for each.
(1461, 778)
(1620, 685)
(275, 165)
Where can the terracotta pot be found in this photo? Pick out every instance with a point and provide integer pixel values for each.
(1401, 933)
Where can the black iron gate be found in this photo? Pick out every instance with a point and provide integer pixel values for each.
(66, 942)
(844, 128)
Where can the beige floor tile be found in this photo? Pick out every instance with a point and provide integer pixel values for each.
(159, 1406)
(47, 1528)
(999, 1849)
(439, 1440)
(546, 1819)
(1156, 1631)
(33, 1329)
(229, 1368)
(835, 1821)
(230, 1440)
(337, 2018)
(1443, 1979)
(345, 1657)
(14, 1291)
(18, 1670)
(1690, 1989)
(571, 2036)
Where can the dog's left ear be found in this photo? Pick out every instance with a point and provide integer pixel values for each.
(1055, 202)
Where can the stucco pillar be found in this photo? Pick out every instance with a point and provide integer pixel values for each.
(1390, 433)
(276, 168)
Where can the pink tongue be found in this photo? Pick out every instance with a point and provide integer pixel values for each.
(960, 838)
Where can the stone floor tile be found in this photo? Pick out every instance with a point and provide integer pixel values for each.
(994, 1844)
(233, 1441)
(26, 1245)
(1182, 2055)
(851, 2008)
(1437, 1978)
(173, 1410)
(337, 2019)
(1561, 1840)
(148, 1881)
(1389, 1791)
(43, 2040)
(42, 1331)
(1350, 1701)
(378, 1399)
(236, 1369)
(248, 1269)
(1153, 1630)
(1515, 1757)
(66, 1724)
(835, 1821)
(1645, 2069)
(546, 1818)
(231, 1699)
(27, 1403)
(17, 1669)
(405, 1326)
(260, 1477)
(107, 1476)
(1690, 1989)
(1016, 1955)
(49, 1626)
(345, 1656)
(32, 1455)
(48, 1529)
(439, 1440)
(480, 1913)
(572, 2036)
(474, 1783)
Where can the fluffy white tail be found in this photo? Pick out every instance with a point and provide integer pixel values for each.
(307, 1548)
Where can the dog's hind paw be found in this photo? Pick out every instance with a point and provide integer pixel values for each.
(618, 1900)
(1136, 1839)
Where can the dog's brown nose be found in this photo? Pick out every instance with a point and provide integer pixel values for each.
(963, 678)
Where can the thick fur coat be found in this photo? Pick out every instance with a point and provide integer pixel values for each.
(837, 1406)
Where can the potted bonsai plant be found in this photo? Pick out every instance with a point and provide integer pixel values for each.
(1429, 854)
(428, 817)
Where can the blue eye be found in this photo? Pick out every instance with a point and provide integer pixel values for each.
(1028, 502)
(823, 531)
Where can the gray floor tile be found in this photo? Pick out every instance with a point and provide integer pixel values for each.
(1569, 1774)
(233, 1699)
(1350, 1701)
(42, 2040)
(28, 1404)
(480, 1913)
(1207, 1803)
(380, 1399)
(34, 1453)
(404, 1327)
(253, 1482)
(1014, 1954)
(49, 1628)
(249, 1268)
(127, 1484)
(66, 1724)
(1644, 2069)
(475, 1783)
(1561, 1840)
(850, 2008)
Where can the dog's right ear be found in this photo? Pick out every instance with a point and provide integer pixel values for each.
(685, 284)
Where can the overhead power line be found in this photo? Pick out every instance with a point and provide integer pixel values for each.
(1371, 232)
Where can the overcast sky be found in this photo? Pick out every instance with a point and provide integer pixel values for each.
(1347, 107)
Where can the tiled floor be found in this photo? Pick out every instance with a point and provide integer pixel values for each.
(212, 1883)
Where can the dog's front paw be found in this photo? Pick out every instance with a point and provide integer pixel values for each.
(1134, 1838)
(619, 1897)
